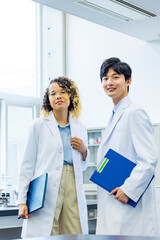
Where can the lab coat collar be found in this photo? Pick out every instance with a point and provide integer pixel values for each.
(122, 104)
(53, 126)
(119, 111)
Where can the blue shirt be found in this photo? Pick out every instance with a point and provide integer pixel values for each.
(66, 141)
(115, 110)
(118, 104)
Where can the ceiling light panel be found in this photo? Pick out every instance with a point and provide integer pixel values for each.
(114, 9)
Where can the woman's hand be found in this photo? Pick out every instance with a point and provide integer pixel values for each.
(78, 145)
(23, 211)
(120, 195)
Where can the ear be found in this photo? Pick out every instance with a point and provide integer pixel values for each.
(129, 80)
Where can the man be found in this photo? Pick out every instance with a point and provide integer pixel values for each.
(129, 132)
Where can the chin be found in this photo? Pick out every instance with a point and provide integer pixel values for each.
(111, 95)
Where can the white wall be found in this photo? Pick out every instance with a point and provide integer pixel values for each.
(87, 45)
(52, 45)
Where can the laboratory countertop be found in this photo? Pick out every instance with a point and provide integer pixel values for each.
(93, 237)
(10, 211)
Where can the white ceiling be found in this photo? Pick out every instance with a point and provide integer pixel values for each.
(147, 29)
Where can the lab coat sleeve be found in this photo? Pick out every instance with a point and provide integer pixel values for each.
(28, 163)
(145, 154)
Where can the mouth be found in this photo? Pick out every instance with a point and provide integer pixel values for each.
(111, 89)
(59, 102)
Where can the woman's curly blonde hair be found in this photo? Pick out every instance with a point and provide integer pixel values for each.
(71, 88)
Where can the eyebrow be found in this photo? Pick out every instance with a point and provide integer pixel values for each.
(52, 91)
(55, 91)
(112, 75)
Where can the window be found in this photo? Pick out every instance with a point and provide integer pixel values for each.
(21, 87)
(19, 118)
(18, 47)
(16, 114)
(19, 80)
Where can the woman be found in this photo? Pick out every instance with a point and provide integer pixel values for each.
(57, 145)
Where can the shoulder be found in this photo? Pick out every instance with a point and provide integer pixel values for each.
(137, 115)
(37, 123)
(78, 124)
(136, 109)
(139, 111)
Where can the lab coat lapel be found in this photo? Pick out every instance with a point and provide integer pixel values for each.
(52, 124)
(111, 127)
(72, 126)
(74, 133)
(115, 119)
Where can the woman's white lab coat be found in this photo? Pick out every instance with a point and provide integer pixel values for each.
(131, 135)
(44, 153)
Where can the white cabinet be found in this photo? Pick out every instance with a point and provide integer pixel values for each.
(94, 139)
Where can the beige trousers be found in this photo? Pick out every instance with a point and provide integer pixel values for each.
(66, 217)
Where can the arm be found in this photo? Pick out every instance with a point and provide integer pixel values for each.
(81, 145)
(145, 154)
(27, 169)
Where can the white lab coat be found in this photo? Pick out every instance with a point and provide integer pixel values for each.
(44, 153)
(131, 135)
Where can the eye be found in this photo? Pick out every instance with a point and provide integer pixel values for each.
(52, 93)
(104, 79)
(63, 91)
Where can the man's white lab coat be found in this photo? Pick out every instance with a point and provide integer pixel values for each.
(131, 135)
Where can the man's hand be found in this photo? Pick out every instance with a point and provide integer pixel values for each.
(120, 195)
(23, 211)
(78, 145)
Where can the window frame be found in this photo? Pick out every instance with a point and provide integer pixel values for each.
(5, 103)
(9, 99)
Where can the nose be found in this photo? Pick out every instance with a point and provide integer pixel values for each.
(58, 95)
(109, 81)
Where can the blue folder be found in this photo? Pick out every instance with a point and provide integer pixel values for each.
(36, 193)
(113, 171)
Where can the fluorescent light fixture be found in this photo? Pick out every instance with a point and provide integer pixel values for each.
(119, 9)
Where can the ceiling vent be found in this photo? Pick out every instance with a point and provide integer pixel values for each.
(118, 9)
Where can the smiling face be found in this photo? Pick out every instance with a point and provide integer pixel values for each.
(59, 98)
(115, 85)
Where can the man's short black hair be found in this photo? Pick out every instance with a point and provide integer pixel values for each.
(118, 66)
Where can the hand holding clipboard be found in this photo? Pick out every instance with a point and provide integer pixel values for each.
(113, 171)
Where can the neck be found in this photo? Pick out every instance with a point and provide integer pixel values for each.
(61, 117)
(116, 101)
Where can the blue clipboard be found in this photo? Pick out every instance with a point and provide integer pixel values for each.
(113, 171)
(36, 193)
